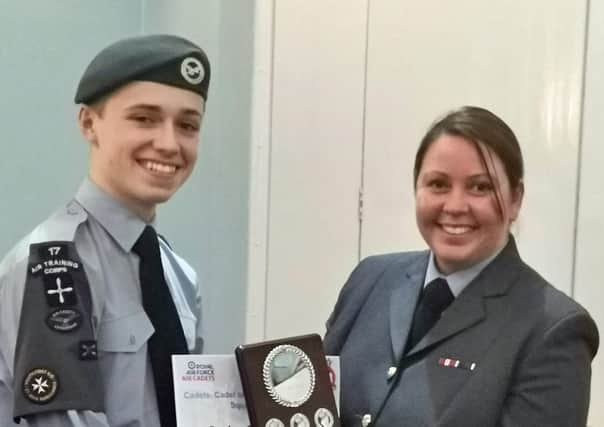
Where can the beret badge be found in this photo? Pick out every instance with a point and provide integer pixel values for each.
(192, 70)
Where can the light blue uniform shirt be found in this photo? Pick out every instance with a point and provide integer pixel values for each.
(104, 233)
(460, 279)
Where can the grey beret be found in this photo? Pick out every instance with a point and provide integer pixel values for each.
(159, 58)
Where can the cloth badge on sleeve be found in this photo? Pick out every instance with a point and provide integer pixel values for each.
(60, 291)
(52, 250)
(64, 320)
(88, 350)
(53, 259)
(40, 385)
(56, 360)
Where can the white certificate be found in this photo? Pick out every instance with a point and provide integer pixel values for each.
(208, 391)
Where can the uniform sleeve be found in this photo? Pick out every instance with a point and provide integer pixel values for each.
(337, 328)
(55, 419)
(351, 299)
(66, 419)
(11, 275)
(6, 394)
(552, 383)
(8, 332)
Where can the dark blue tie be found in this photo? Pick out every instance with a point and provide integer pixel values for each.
(169, 337)
(435, 298)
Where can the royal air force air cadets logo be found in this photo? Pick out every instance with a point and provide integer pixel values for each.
(40, 385)
(192, 70)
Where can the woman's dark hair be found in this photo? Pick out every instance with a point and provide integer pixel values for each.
(478, 125)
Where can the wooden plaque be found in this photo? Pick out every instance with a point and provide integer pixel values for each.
(286, 383)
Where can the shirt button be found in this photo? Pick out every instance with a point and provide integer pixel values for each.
(72, 208)
(366, 420)
(391, 371)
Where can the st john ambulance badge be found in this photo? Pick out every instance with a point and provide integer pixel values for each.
(40, 385)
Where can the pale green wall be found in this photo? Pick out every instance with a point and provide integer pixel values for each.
(45, 47)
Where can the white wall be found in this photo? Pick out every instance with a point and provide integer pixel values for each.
(521, 60)
(315, 154)
(43, 53)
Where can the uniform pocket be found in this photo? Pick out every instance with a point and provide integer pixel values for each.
(126, 334)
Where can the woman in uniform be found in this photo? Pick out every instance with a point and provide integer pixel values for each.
(465, 333)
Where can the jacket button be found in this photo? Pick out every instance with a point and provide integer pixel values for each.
(391, 371)
(366, 420)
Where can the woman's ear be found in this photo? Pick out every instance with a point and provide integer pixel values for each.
(517, 196)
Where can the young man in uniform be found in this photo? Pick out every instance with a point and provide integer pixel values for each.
(92, 302)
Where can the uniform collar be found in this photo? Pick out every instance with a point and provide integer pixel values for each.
(122, 224)
(460, 279)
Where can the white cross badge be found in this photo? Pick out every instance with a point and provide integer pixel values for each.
(59, 291)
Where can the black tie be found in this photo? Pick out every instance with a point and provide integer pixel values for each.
(435, 298)
(169, 337)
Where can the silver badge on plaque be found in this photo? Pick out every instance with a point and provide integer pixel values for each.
(289, 375)
(299, 420)
(323, 418)
(274, 422)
